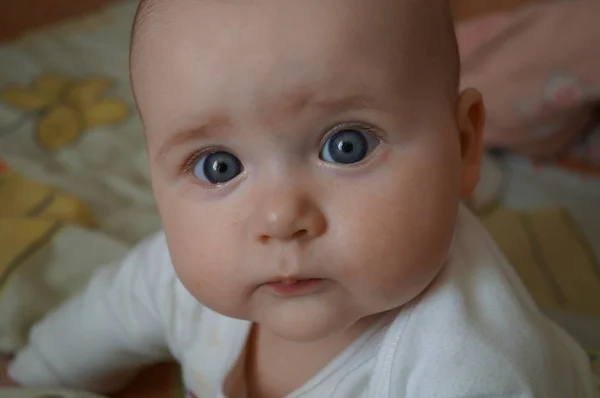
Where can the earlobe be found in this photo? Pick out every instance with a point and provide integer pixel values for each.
(471, 121)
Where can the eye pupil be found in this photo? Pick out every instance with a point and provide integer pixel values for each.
(346, 147)
(218, 168)
(221, 167)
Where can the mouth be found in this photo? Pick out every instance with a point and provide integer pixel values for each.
(293, 287)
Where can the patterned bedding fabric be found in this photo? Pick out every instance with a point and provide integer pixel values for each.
(75, 194)
(73, 164)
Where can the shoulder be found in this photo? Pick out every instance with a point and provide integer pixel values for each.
(146, 270)
(147, 282)
(476, 332)
(454, 360)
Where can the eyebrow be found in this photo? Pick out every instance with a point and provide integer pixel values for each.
(333, 105)
(190, 134)
(347, 103)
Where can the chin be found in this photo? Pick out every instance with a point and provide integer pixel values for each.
(307, 323)
(303, 334)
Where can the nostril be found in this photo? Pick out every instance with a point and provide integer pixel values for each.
(298, 235)
(301, 234)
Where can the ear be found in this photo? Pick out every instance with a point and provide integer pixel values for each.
(471, 120)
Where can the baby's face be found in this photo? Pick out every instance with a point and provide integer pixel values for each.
(306, 167)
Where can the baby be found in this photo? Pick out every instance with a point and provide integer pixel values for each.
(309, 159)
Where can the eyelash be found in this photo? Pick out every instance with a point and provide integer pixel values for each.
(187, 167)
(359, 126)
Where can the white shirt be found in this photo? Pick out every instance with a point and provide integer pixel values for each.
(475, 333)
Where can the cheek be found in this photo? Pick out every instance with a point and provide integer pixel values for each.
(395, 230)
(195, 250)
(201, 244)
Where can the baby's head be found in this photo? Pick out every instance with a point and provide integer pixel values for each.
(308, 157)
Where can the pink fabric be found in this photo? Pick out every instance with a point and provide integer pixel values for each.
(539, 71)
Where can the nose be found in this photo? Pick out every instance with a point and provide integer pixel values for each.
(289, 215)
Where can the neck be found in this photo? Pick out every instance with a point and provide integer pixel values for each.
(275, 367)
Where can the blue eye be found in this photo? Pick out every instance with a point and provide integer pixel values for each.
(217, 167)
(348, 146)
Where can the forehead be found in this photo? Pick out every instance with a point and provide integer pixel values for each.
(204, 56)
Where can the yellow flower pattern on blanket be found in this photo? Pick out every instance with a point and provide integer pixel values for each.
(30, 215)
(66, 107)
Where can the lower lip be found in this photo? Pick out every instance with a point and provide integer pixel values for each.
(303, 286)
